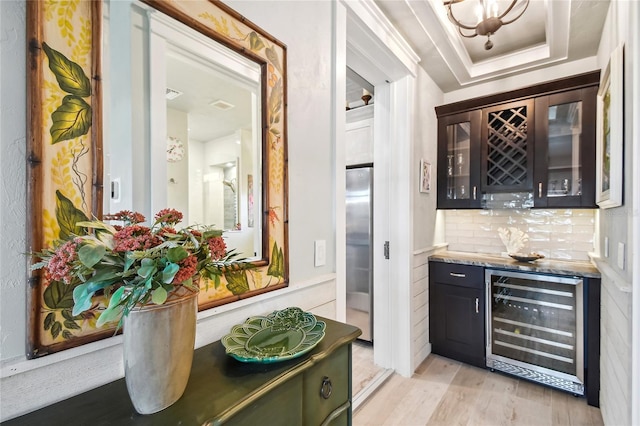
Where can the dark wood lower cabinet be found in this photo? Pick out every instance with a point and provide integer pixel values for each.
(457, 318)
(311, 390)
(457, 312)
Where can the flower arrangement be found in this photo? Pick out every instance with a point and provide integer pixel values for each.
(134, 264)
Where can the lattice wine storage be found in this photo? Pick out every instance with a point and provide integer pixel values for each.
(508, 158)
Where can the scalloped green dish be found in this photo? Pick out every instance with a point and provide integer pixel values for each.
(279, 336)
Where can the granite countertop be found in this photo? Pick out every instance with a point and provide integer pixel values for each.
(560, 267)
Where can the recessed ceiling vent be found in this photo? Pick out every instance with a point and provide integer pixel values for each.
(222, 105)
(171, 94)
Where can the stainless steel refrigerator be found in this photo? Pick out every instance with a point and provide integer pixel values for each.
(359, 225)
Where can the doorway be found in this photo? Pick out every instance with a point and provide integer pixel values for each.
(374, 50)
(359, 204)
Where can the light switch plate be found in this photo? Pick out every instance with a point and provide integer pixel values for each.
(606, 246)
(115, 189)
(621, 255)
(320, 248)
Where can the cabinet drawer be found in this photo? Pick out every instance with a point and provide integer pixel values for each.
(456, 274)
(326, 387)
(280, 406)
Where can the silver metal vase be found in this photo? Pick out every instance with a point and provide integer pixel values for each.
(158, 350)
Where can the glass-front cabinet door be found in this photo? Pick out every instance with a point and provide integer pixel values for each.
(565, 153)
(458, 168)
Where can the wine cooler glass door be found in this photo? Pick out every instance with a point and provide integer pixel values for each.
(536, 321)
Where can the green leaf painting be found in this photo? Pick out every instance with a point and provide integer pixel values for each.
(71, 325)
(275, 99)
(255, 42)
(272, 56)
(71, 119)
(58, 295)
(276, 267)
(68, 217)
(56, 328)
(237, 282)
(69, 75)
(49, 320)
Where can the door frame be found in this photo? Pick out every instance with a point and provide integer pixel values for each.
(366, 41)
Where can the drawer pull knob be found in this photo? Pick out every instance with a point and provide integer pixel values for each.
(455, 274)
(326, 388)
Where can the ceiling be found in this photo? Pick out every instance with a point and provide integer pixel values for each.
(217, 104)
(549, 32)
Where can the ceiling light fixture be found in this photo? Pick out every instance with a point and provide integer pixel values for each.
(489, 18)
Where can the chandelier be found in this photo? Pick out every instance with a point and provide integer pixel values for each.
(489, 20)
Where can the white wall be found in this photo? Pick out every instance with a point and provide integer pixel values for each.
(27, 385)
(427, 224)
(617, 224)
(178, 188)
(13, 263)
(428, 228)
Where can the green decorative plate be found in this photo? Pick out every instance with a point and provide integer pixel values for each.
(279, 336)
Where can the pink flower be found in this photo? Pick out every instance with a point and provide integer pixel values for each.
(60, 265)
(187, 269)
(126, 216)
(134, 237)
(217, 248)
(168, 216)
(167, 230)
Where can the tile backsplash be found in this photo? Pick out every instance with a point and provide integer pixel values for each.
(564, 234)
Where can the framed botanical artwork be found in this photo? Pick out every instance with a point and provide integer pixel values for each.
(425, 176)
(610, 133)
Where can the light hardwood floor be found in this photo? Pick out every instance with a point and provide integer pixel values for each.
(446, 392)
(364, 371)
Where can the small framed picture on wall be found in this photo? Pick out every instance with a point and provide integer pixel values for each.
(425, 176)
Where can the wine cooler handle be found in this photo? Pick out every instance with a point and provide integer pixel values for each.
(539, 189)
(488, 313)
(475, 190)
(455, 274)
(477, 306)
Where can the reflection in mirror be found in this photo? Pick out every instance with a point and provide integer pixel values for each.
(215, 110)
(204, 141)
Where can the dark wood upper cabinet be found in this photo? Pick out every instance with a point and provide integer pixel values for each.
(538, 140)
(565, 161)
(458, 168)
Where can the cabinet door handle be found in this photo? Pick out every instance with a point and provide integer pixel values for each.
(477, 306)
(474, 192)
(455, 274)
(539, 189)
(326, 388)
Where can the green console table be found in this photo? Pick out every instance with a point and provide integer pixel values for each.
(314, 389)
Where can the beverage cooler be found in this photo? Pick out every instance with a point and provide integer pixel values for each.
(535, 328)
